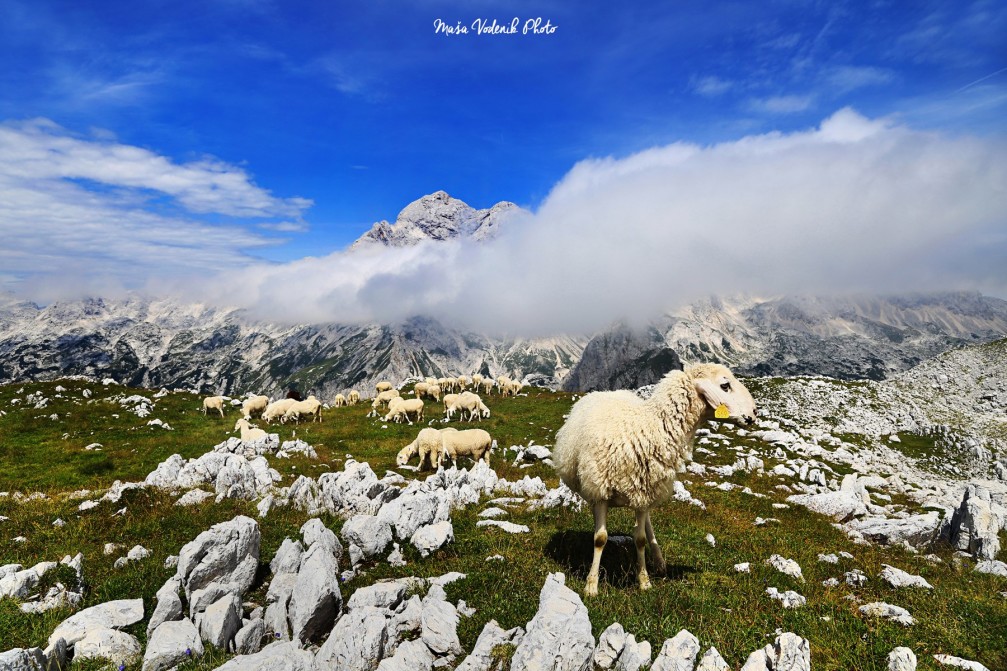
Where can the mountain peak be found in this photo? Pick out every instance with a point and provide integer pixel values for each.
(437, 216)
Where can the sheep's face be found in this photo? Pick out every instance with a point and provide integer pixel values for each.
(724, 394)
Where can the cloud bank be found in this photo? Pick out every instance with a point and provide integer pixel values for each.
(89, 214)
(855, 204)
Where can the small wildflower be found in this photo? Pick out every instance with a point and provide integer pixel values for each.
(277, 634)
(188, 651)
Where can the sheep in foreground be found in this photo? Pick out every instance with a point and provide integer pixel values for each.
(404, 408)
(353, 397)
(276, 409)
(214, 403)
(254, 405)
(310, 407)
(248, 432)
(618, 450)
(427, 445)
(474, 443)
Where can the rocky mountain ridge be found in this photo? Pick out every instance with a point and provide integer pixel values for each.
(438, 217)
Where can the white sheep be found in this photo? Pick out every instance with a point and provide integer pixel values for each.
(276, 409)
(512, 388)
(487, 386)
(248, 433)
(403, 408)
(477, 380)
(474, 443)
(214, 403)
(382, 386)
(309, 407)
(254, 405)
(420, 388)
(449, 402)
(433, 391)
(427, 445)
(470, 404)
(339, 401)
(381, 400)
(353, 397)
(618, 450)
(464, 381)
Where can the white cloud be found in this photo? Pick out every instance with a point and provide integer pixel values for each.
(711, 86)
(850, 77)
(787, 104)
(82, 215)
(856, 204)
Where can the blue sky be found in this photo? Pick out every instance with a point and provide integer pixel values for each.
(320, 118)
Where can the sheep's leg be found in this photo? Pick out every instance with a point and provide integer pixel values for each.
(659, 565)
(600, 538)
(640, 536)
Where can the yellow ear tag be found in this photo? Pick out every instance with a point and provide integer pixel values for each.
(721, 412)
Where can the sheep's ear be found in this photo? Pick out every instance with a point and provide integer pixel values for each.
(709, 392)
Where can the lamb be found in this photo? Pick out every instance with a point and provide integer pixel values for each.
(383, 386)
(214, 403)
(339, 401)
(474, 443)
(402, 408)
(248, 433)
(617, 449)
(382, 399)
(353, 397)
(309, 407)
(254, 405)
(276, 409)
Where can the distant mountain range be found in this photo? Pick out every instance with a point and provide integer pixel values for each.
(165, 342)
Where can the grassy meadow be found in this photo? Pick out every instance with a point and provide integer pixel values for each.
(42, 450)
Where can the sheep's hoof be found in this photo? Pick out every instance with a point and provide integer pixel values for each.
(591, 590)
(660, 567)
(645, 583)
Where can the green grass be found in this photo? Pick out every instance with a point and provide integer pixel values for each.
(963, 616)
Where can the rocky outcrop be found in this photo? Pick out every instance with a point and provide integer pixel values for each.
(559, 636)
(622, 358)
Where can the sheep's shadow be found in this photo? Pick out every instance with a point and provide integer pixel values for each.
(574, 550)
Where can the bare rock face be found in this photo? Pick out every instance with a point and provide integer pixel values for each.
(622, 358)
(976, 523)
(559, 636)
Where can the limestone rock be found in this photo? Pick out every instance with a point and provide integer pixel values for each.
(369, 533)
(356, 643)
(108, 615)
(220, 621)
(958, 662)
(379, 595)
(559, 636)
(790, 598)
(103, 643)
(248, 640)
(439, 625)
(432, 537)
(898, 578)
(678, 653)
(786, 566)
(226, 556)
(482, 652)
(279, 656)
(712, 661)
(919, 531)
(888, 612)
(976, 523)
(167, 646)
(22, 659)
(901, 659)
(409, 656)
(993, 567)
(316, 599)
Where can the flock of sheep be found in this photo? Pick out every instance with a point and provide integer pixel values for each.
(615, 449)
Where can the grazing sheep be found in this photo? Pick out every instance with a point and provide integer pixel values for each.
(617, 449)
(214, 403)
(353, 397)
(309, 407)
(276, 409)
(464, 381)
(383, 386)
(403, 408)
(427, 445)
(487, 386)
(449, 401)
(477, 380)
(469, 403)
(339, 401)
(248, 432)
(420, 388)
(512, 388)
(433, 391)
(382, 400)
(254, 405)
(474, 443)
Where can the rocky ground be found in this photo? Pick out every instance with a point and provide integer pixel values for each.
(351, 570)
